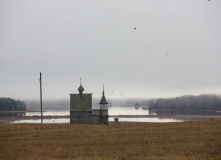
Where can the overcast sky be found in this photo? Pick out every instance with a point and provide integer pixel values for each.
(174, 50)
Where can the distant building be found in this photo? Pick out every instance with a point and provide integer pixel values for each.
(81, 111)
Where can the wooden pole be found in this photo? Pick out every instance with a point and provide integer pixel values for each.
(41, 101)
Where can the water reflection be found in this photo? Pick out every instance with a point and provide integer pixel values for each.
(59, 120)
(113, 111)
(116, 110)
(67, 120)
(176, 112)
(150, 120)
(53, 111)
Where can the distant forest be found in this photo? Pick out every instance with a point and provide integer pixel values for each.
(9, 104)
(188, 102)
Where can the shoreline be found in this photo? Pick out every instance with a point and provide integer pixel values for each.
(192, 110)
(167, 116)
(136, 106)
(28, 110)
(8, 119)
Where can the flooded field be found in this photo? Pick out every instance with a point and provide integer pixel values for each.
(134, 114)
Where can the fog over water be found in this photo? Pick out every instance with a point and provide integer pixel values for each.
(141, 49)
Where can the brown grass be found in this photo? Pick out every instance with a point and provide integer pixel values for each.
(183, 140)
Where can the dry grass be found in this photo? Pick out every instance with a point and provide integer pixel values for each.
(183, 140)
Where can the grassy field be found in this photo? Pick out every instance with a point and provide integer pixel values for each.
(182, 140)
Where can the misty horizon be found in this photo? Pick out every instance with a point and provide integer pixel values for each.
(142, 49)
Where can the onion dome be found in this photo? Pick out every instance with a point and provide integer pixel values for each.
(81, 88)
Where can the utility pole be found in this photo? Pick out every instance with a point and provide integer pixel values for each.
(41, 101)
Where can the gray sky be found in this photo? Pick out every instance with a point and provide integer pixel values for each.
(175, 49)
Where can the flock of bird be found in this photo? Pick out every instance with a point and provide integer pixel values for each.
(167, 54)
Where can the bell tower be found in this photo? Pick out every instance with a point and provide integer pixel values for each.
(103, 109)
(103, 102)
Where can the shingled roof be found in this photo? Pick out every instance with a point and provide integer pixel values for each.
(103, 99)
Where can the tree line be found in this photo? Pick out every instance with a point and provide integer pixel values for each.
(9, 104)
(188, 102)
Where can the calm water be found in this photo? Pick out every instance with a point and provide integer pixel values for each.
(115, 110)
